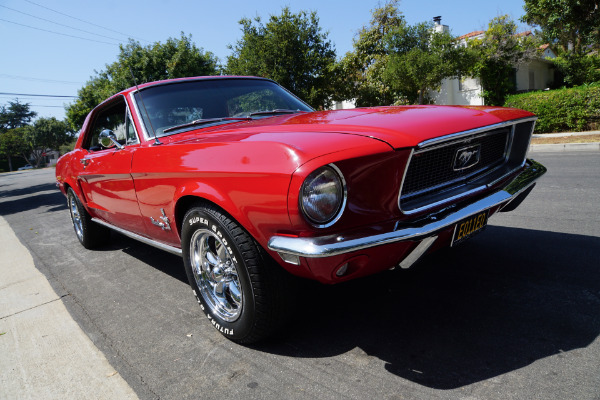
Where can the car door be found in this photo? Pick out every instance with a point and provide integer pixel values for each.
(105, 171)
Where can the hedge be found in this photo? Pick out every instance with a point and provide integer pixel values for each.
(562, 110)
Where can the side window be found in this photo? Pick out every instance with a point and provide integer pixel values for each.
(116, 118)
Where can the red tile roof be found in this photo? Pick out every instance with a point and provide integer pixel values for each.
(477, 33)
(526, 33)
(471, 34)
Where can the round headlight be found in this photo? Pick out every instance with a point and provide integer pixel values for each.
(323, 196)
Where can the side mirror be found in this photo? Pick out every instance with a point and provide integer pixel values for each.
(108, 139)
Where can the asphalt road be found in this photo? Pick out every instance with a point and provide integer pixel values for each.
(514, 313)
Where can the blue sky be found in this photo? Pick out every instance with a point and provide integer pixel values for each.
(35, 59)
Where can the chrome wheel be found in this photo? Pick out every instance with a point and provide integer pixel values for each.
(216, 275)
(76, 217)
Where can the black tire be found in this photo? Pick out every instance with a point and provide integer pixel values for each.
(239, 287)
(89, 233)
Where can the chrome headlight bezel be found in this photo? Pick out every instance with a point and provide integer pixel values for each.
(337, 178)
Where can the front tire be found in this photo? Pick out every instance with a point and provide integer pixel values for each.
(238, 286)
(89, 233)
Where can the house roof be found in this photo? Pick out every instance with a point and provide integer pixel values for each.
(518, 35)
(477, 33)
(471, 34)
(522, 34)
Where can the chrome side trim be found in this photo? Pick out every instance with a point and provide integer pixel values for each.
(475, 131)
(158, 245)
(331, 245)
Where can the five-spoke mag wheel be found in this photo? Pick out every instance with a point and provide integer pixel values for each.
(75, 216)
(242, 291)
(89, 233)
(216, 275)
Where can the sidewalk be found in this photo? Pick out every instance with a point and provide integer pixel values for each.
(594, 146)
(44, 353)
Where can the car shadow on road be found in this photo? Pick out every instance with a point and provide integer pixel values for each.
(160, 260)
(497, 303)
(25, 199)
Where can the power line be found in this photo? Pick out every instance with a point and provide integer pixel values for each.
(30, 99)
(59, 24)
(36, 95)
(87, 22)
(58, 33)
(28, 78)
(36, 105)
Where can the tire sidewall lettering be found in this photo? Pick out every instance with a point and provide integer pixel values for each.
(197, 221)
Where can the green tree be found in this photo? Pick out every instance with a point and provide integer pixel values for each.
(360, 72)
(290, 49)
(12, 143)
(577, 69)
(15, 115)
(45, 134)
(573, 29)
(176, 58)
(419, 59)
(497, 54)
(570, 25)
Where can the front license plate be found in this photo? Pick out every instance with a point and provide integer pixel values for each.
(469, 227)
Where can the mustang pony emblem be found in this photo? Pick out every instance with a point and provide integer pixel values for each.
(466, 157)
(164, 225)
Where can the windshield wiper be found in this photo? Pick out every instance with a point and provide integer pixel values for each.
(276, 111)
(205, 121)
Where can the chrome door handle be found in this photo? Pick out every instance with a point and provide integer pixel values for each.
(84, 161)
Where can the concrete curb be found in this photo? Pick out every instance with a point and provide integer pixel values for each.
(565, 134)
(594, 146)
(45, 354)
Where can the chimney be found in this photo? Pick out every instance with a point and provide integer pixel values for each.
(438, 27)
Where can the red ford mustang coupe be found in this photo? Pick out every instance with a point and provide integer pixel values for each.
(245, 182)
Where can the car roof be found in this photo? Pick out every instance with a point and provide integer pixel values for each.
(191, 78)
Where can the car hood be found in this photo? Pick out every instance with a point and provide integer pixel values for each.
(400, 127)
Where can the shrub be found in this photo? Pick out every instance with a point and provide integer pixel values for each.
(561, 110)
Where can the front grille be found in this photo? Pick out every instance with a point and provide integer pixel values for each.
(435, 169)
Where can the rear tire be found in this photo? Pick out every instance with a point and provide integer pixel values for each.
(89, 233)
(238, 286)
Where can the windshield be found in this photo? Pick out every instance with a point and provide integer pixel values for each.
(181, 103)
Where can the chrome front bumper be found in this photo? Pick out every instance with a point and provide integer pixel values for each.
(290, 248)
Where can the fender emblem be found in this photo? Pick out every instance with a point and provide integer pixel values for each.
(466, 157)
(164, 225)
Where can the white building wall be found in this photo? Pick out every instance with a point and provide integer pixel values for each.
(535, 75)
(343, 105)
(463, 92)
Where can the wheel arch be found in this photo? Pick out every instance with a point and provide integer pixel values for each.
(186, 202)
(74, 185)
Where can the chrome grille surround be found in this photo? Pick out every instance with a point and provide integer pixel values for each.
(430, 178)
